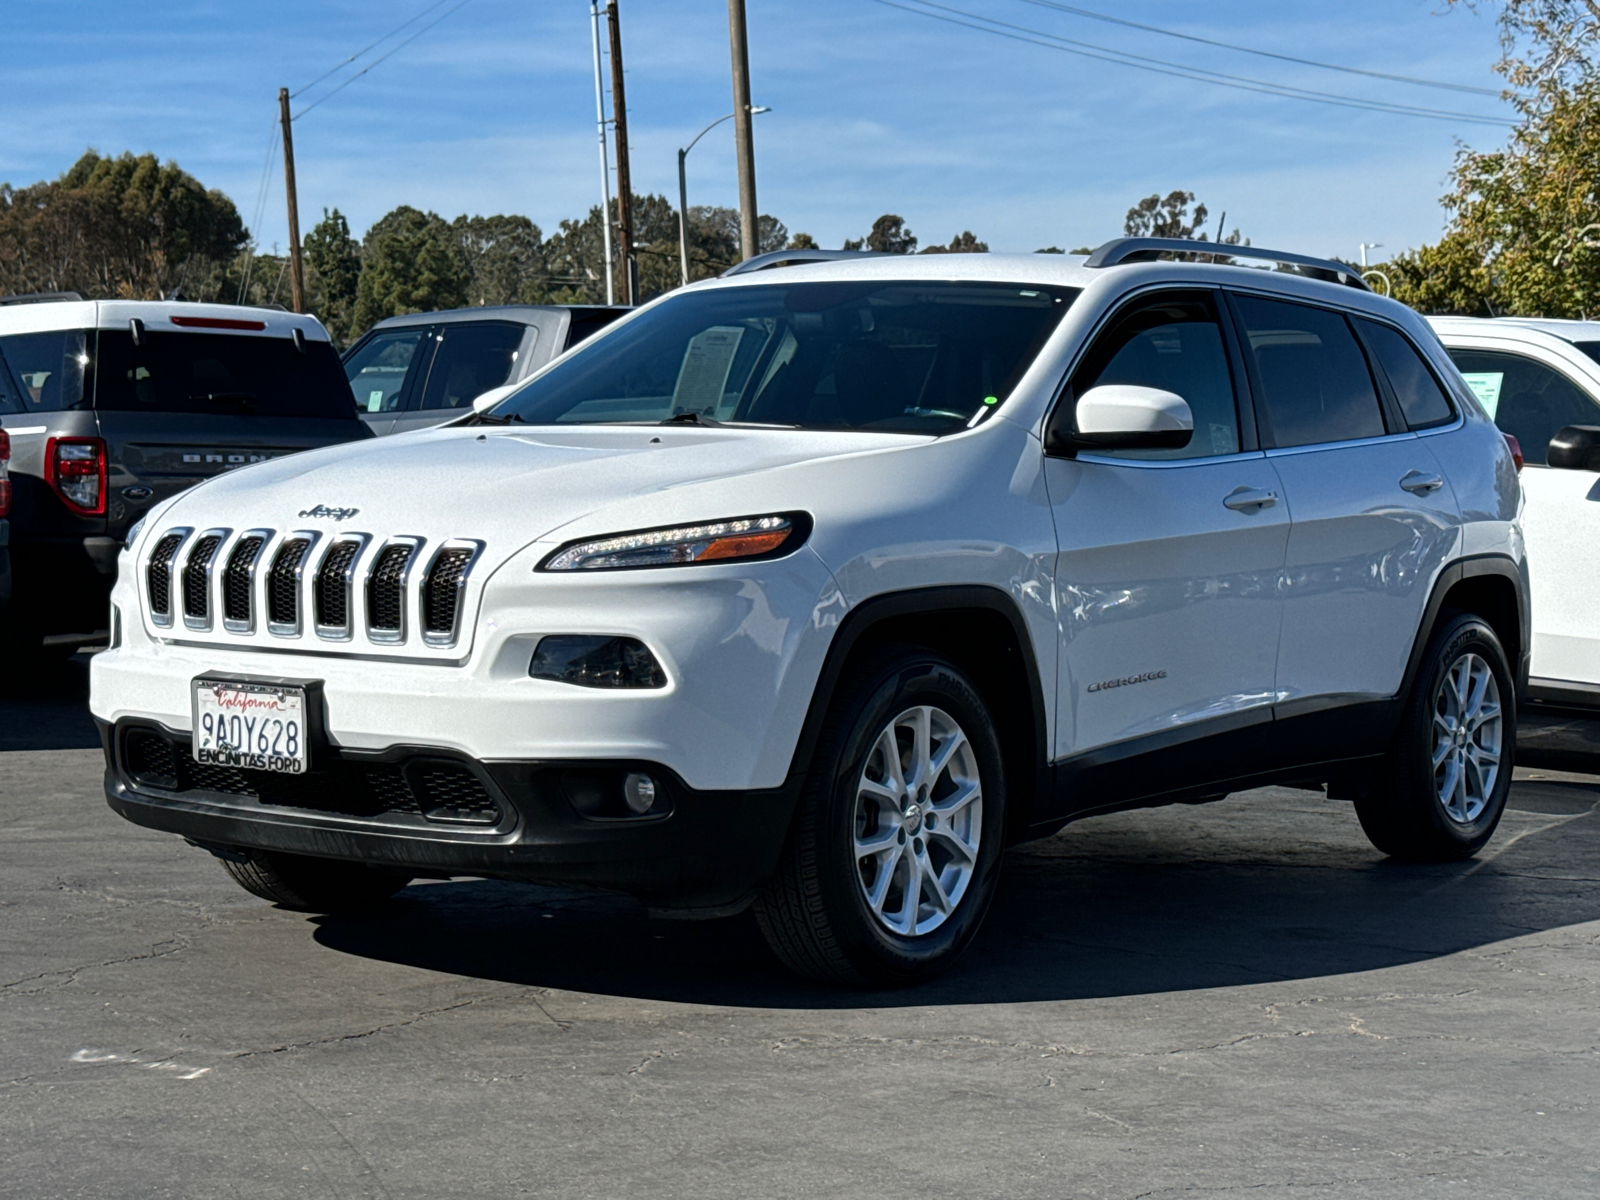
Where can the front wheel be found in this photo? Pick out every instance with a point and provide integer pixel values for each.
(895, 851)
(1449, 770)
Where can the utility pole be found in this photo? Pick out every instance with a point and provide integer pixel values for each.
(619, 121)
(605, 161)
(297, 278)
(743, 123)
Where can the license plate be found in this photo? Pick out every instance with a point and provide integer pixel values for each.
(261, 726)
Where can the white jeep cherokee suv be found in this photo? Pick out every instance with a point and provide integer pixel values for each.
(818, 585)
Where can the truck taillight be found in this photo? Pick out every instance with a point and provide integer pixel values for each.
(5, 473)
(1516, 451)
(76, 468)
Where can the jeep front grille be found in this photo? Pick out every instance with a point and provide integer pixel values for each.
(197, 580)
(357, 589)
(283, 585)
(158, 576)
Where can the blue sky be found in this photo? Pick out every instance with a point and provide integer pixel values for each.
(875, 109)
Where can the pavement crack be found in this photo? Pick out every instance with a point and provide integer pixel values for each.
(66, 975)
(335, 1039)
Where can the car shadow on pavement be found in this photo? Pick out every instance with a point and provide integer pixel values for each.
(46, 707)
(1085, 914)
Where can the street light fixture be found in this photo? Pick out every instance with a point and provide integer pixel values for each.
(683, 188)
(1365, 246)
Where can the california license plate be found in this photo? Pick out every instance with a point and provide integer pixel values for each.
(261, 726)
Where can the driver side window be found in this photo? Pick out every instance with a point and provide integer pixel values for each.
(1172, 342)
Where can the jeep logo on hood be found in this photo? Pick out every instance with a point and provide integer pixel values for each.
(333, 514)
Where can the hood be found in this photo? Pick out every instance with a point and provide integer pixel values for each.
(505, 486)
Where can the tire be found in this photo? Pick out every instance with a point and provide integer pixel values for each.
(840, 911)
(1444, 787)
(315, 885)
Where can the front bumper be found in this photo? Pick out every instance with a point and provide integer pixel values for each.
(707, 854)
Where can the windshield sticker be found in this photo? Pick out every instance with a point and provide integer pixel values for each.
(375, 400)
(704, 374)
(1485, 386)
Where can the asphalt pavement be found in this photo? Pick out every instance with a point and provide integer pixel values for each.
(1240, 997)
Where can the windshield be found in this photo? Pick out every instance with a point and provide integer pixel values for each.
(910, 357)
(231, 374)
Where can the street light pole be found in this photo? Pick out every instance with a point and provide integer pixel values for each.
(1365, 246)
(605, 162)
(683, 189)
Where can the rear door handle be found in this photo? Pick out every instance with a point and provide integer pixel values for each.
(1244, 499)
(1419, 484)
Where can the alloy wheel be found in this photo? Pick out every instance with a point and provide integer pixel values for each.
(1468, 728)
(918, 821)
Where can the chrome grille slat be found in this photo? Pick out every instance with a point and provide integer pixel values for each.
(442, 590)
(386, 601)
(158, 575)
(283, 586)
(239, 580)
(197, 579)
(333, 587)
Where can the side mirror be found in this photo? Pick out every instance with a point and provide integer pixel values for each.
(1123, 416)
(1576, 447)
(487, 400)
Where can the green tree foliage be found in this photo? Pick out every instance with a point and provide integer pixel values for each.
(802, 241)
(129, 227)
(1523, 236)
(889, 236)
(333, 259)
(410, 262)
(962, 243)
(501, 257)
(1169, 217)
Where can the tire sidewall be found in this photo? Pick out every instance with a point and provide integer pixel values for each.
(1462, 635)
(910, 681)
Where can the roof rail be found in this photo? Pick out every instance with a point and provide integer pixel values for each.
(1147, 249)
(794, 258)
(39, 297)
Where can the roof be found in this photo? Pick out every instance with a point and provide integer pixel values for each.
(1570, 331)
(156, 314)
(520, 313)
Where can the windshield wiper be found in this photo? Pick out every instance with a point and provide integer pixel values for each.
(487, 419)
(690, 417)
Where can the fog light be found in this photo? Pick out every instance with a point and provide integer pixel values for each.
(639, 792)
(589, 661)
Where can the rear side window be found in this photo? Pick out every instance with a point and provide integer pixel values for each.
(229, 374)
(1173, 343)
(1527, 399)
(44, 370)
(378, 367)
(471, 359)
(587, 323)
(1422, 400)
(1314, 377)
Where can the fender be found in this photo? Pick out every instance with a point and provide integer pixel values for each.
(1472, 568)
(937, 601)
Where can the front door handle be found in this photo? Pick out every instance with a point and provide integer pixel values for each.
(1244, 499)
(1420, 484)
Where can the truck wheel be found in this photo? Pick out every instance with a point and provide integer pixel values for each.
(1449, 770)
(895, 849)
(317, 885)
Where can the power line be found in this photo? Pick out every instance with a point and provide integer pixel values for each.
(1197, 74)
(387, 54)
(367, 47)
(1304, 62)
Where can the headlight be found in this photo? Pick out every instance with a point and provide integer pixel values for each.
(681, 545)
(133, 534)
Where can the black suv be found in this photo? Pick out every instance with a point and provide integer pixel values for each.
(112, 406)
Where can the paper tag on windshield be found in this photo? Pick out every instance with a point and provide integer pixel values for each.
(704, 373)
(1485, 386)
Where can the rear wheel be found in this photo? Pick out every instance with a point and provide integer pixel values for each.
(896, 847)
(1449, 770)
(318, 885)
